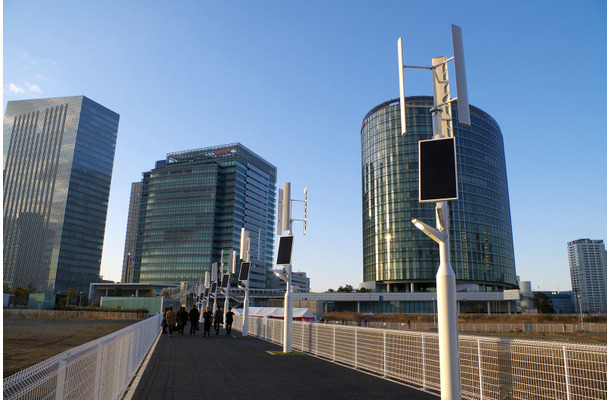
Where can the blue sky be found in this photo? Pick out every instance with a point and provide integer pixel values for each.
(292, 81)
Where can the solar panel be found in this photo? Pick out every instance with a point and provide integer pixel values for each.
(284, 253)
(244, 271)
(437, 170)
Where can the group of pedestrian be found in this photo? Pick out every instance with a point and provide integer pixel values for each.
(176, 321)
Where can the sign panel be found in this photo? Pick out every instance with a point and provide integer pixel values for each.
(213, 288)
(284, 252)
(244, 271)
(225, 281)
(437, 170)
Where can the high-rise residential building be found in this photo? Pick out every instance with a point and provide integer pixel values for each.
(193, 206)
(129, 255)
(58, 159)
(399, 257)
(588, 263)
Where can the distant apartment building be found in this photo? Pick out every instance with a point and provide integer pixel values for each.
(58, 160)
(193, 205)
(129, 254)
(588, 273)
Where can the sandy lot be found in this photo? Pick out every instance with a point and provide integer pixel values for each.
(27, 342)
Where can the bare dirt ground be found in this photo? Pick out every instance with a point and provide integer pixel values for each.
(26, 342)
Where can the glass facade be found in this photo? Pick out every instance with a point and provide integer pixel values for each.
(395, 252)
(193, 206)
(131, 235)
(58, 159)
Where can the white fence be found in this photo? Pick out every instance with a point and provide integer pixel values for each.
(101, 369)
(491, 368)
(466, 327)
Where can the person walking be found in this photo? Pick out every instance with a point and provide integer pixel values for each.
(217, 319)
(207, 321)
(164, 321)
(194, 316)
(170, 318)
(183, 317)
(229, 321)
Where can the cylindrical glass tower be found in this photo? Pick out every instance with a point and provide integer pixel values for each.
(399, 257)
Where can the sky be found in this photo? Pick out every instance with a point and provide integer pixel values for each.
(293, 80)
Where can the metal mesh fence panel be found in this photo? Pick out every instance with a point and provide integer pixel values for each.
(346, 351)
(490, 368)
(100, 369)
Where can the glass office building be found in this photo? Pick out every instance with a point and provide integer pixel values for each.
(193, 206)
(398, 256)
(58, 159)
(131, 236)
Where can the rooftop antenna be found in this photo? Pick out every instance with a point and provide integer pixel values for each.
(438, 183)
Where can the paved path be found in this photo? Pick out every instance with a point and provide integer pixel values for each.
(240, 368)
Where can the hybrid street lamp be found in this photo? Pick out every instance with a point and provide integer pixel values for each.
(284, 256)
(244, 276)
(226, 279)
(438, 183)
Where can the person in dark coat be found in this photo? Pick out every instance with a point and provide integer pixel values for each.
(217, 319)
(207, 321)
(164, 321)
(194, 317)
(182, 316)
(229, 321)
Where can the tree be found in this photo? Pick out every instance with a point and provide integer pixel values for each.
(543, 304)
(330, 290)
(30, 288)
(6, 288)
(346, 289)
(364, 290)
(70, 294)
(20, 294)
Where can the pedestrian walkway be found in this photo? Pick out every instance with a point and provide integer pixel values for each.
(235, 367)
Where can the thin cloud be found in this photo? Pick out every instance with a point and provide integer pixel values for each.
(30, 89)
(12, 88)
(33, 88)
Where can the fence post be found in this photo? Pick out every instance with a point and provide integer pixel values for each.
(61, 380)
(335, 343)
(98, 372)
(567, 372)
(423, 361)
(385, 357)
(480, 368)
(356, 348)
(117, 369)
